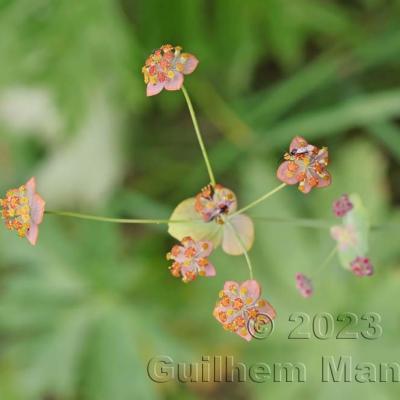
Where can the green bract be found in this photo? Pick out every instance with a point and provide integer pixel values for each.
(357, 220)
(235, 235)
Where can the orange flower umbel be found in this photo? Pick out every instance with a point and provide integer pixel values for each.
(190, 259)
(22, 211)
(214, 201)
(238, 304)
(165, 69)
(305, 165)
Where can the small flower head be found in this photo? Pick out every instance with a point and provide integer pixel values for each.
(215, 201)
(22, 210)
(190, 259)
(165, 67)
(305, 164)
(304, 285)
(346, 236)
(342, 206)
(238, 304)
(362, 266)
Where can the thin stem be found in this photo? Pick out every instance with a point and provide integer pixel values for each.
(246, 255)
(328, 259)
(198, 134)
(318, 223)
(301, 222)
(262, 198)
(115, 220)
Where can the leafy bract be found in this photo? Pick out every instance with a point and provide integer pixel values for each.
(358, 220)
(236, 236)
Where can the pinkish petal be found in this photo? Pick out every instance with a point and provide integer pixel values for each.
(175, 83)
(298, 142)
(32, 234)
(239, 226)
(325, 181)
(210, 270)
(245, 336)
(153, 89)
(190, 64)
(37, 208)
(30, 188)
(305, 187)
(266, 309)
(205, 248)
(250, 290)
(285, 175)
(217, 310)
(323, 154)
(231, 287)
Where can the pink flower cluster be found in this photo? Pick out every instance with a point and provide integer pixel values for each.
(215, 201)
(305, 165)
(342, 206)
(304, 285)
(362, 266)
(190, 259)
(238, 304)
(22, 211)
(165, 68)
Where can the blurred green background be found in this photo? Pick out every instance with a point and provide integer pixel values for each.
(83, 312)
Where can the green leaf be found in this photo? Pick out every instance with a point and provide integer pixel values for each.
(196, 228)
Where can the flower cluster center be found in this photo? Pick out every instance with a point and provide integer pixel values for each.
(16, 210)
(308, 165)
(163, 63)
(214, 202)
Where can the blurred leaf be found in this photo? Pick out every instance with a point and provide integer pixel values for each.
(388, 134)
(85, 170)
(328, 69)
(112, 362)
(359, 111)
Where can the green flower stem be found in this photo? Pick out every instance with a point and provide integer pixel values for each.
(198, 134)
(246, 255)
(301, 222)
(116, 220)
(327, 261)
(262, 198)
(318, 223)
